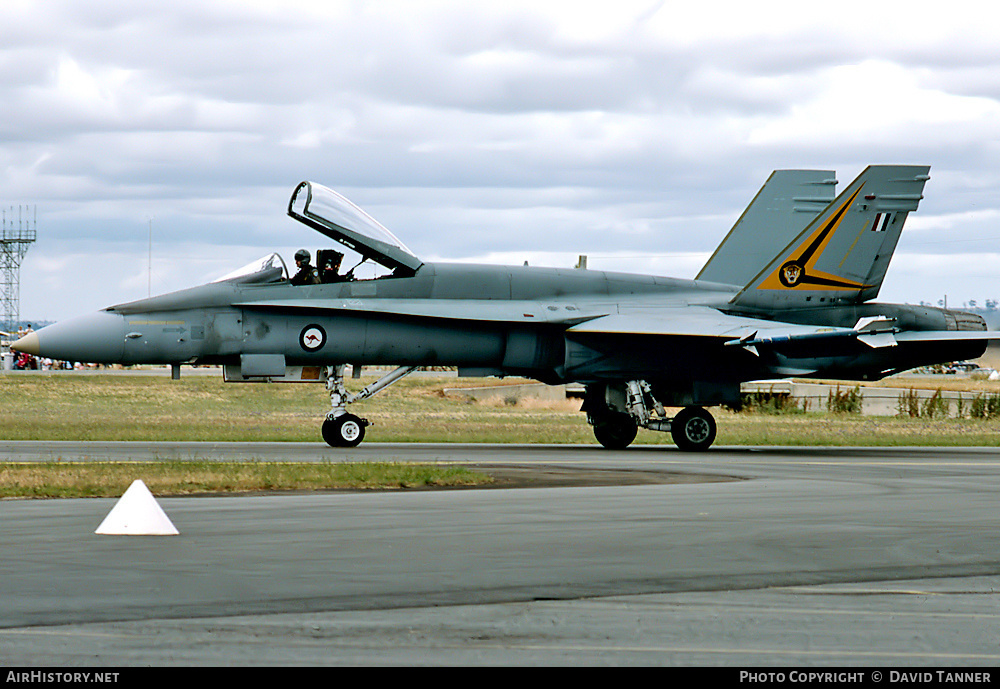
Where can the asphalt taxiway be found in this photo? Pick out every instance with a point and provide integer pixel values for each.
(737, 556)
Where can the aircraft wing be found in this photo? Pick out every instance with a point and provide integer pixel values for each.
(695, 321)
(754, 334)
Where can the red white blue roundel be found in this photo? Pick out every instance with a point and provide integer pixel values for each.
(312, 338)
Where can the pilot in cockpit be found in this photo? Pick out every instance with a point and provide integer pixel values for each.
(306, 274)
(328, 262)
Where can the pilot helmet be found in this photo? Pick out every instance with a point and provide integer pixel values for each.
(302, 255)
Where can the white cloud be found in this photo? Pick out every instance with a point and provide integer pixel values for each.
(638, 128)
(877, 101)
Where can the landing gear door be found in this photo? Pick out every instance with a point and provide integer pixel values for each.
(255, 368)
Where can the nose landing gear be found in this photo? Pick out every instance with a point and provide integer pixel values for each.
(341, 429)
(346, 430)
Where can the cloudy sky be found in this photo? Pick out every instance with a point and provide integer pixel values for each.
(634, 132)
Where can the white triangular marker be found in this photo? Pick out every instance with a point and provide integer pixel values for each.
(137, 514)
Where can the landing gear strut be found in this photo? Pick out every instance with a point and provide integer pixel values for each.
(341, 429)
(617, 412)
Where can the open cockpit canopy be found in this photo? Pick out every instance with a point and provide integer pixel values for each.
(333, 215)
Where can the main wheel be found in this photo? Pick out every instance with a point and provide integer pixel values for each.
(615, 431)
(693, 429)
(346, 430)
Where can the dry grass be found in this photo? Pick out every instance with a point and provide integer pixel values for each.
(204, 408)
(111, 479)
(844, 430)
(956, 383)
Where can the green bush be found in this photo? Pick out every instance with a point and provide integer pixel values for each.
(848, 402)
(985, 406)
(769, 402)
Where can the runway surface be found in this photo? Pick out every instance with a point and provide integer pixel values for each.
(788, 556)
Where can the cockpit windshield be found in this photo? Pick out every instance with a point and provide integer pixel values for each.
(270, 268)
(330, 213)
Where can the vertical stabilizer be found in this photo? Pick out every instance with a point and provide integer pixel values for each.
(786, 203)
(843, 254)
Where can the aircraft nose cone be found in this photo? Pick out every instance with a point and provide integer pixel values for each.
(97, 338)
(27, 344)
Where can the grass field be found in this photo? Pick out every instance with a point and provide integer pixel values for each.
(71, 406)
(122, 407)
(74, 406)
(111, 479)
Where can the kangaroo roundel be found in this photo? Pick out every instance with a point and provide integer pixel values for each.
(312, 338)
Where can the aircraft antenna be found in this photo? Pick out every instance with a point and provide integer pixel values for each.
(18, 232)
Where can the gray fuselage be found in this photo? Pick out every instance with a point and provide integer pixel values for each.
(489, 320)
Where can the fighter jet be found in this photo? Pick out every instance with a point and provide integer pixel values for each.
(788, 293)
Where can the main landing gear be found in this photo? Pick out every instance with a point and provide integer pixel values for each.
(341, 429)
(693, 429)
(616, 413)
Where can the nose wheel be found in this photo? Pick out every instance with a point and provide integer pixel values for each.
(346, 430)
